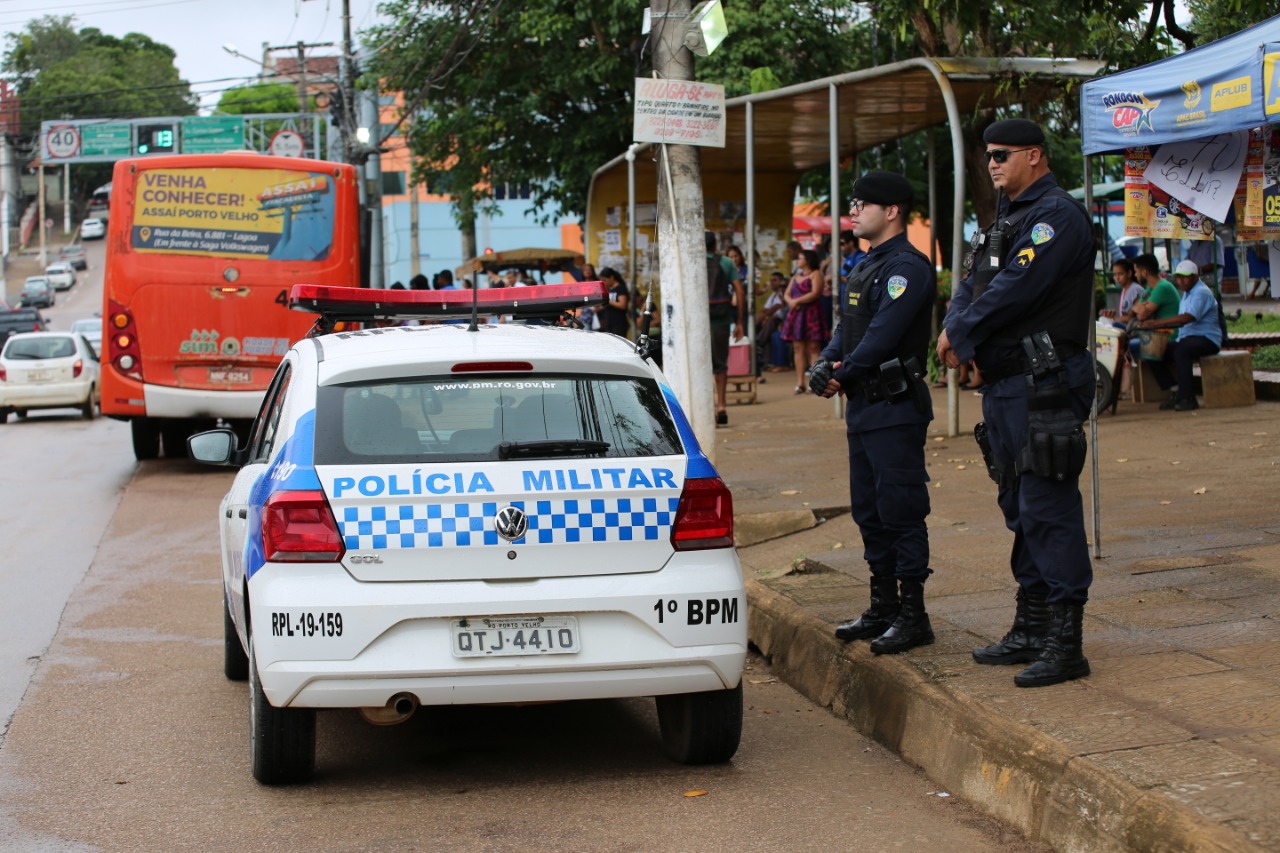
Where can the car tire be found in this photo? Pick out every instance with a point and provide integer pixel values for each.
(4, 414)
(282, 741)
(89, 409)
(174, 438)
(235, 663)
(19, 413)
(701, 728)
(146, 439)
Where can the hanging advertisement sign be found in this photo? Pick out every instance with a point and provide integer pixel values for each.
(1150, 211)
(1258, 197)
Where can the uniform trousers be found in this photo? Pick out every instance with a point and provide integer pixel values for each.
(889, 492)
(1050, 548)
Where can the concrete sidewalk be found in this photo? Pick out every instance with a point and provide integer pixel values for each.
(1172, 744)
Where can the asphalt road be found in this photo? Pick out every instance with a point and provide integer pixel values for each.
(125, 735)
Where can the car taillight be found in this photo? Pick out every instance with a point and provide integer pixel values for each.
(77, 369)
(704, 518)
(299, 527)
(4, 375)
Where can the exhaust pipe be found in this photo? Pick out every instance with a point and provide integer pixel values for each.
(399, 708)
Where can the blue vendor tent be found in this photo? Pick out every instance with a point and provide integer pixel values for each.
(1226, 85)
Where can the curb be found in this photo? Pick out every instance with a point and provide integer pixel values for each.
(1004, 767)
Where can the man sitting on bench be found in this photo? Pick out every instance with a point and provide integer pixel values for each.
(1201, 334)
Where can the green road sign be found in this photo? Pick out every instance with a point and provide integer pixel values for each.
(106, 140)
(212, 134)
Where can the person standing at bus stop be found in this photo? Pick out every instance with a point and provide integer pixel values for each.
(876, 358)
(1023, 312)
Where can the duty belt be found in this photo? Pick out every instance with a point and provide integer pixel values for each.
(1001, 362)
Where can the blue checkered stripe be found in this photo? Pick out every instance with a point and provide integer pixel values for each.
(551, 522)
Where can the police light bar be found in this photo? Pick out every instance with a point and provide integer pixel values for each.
(359, 303)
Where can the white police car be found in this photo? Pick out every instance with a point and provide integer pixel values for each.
(444, 514)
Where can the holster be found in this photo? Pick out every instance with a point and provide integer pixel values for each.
(1001, 474)
(1056, 444)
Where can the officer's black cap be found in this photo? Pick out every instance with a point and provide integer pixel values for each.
(884, 188)
(1014, 131)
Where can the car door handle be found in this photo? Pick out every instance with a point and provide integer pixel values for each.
(244, 513)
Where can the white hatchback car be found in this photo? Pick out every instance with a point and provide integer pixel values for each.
(48, 370)
(93, 229)
(61, 275)
(438, 515)
(91, 328)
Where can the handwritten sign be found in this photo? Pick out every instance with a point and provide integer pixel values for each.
(1201, 173)
(682, 112)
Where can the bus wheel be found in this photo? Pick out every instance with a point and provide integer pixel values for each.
(146, 439)
(174, 436)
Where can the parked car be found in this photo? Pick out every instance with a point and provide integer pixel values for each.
(20, 320)
(93, 229)
(74, 255)
(48, 370)
(91, 328)
(61, 276)
(37, 292)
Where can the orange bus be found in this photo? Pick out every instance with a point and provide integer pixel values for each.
(202, 251)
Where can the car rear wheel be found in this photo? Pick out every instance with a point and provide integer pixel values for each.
(89, 409)
(20, 413)
(282, 741)
(4, 414)
(701, 728)
(146, 439)
(235, 663)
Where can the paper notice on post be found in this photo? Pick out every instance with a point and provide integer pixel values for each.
(1201, 173)
(682, 112)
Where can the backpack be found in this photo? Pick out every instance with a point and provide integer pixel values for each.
(718, 296)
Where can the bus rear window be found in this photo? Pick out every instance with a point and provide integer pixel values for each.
(446, 419)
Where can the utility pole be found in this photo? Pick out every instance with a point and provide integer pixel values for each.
(415, 247)
(301, 77)
(682, 270)
(348, 91)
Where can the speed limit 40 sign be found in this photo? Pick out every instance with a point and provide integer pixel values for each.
(62, 140)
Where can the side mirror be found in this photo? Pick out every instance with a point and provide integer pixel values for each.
(215, 447)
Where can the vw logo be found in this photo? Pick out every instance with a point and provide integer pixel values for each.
(511, 523)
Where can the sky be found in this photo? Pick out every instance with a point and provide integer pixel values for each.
(198, 29)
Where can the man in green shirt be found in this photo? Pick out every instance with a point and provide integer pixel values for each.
(1160, 300)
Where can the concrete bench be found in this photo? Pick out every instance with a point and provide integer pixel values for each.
(1227, 379)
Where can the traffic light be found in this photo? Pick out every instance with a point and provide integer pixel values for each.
(156, 139)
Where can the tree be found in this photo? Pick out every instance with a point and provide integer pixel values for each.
(544, 97)
(1213, 19)
(64, 74)
(259, 98)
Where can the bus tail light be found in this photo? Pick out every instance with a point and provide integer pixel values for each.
(299, 527)
(704, 518)
(122, 341)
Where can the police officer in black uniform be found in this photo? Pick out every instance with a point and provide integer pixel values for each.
(1023, 314)
(876, 359)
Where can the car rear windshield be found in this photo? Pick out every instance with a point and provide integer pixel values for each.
(448, 419)
(58, 346)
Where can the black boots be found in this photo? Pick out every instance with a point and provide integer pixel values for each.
(1062, 659)
(911, 627)
(878, 617)
(1025, 639)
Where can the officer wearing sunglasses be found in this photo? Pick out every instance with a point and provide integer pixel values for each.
(1023, 314)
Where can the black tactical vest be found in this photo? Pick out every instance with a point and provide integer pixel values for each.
(1064, 313)
(856, 313)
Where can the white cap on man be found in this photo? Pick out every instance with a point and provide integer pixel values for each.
(1187, 267)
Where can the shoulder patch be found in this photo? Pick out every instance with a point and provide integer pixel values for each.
(896, 286)
(1025, 257)
(1042, 232)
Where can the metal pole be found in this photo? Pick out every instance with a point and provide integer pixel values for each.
(373, 178)
(957, 227)
(44, 252)
(833, 145)
(1094, 498)
(632, 273)
(66, 198)
(415, 238)
(750, 247)
(4, 213)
